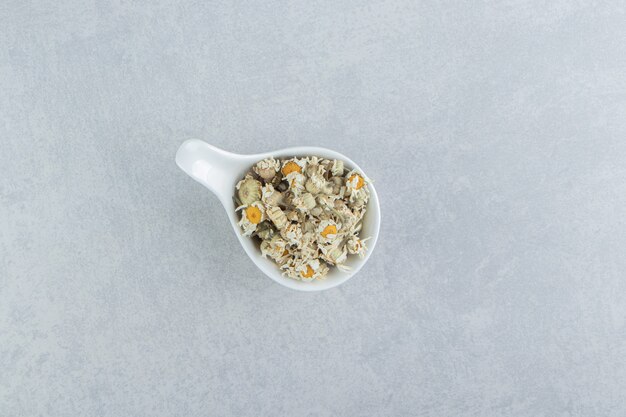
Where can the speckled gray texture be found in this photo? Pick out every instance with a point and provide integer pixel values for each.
(496, 133)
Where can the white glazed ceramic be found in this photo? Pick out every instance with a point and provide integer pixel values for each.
(220, 171)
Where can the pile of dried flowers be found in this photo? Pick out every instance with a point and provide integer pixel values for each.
(307, 213)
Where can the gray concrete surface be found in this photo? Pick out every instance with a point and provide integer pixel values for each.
(495, 131)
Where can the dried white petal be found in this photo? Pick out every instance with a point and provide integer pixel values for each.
(292, 232)
(295, 182)
(337, 168)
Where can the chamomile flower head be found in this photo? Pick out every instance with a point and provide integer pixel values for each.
(327, 231)
(267, 168)
(251, 216)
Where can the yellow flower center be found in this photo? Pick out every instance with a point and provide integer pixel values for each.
(308, 273)
(291, 167)
(359, 182)
(253, 214)
(331, 229)
(286, 252)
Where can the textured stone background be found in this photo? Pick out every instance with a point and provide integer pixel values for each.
(495, 131)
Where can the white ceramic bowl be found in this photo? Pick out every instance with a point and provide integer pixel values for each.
(220, 171)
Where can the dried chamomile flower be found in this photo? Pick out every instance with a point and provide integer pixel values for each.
(292, 232)
(277, 216)
(251, 216)
(326, 201)
(327, 164)
(358, 201)
(311, 186)
(295, 181)
(355, 180)
(337, 167)
(356, 186)
(311, 270)
(340, 206)
(275, 248)
(327, 231)
(318, 180)
(306, 272)
(356, 246)
(308, 245)
(347, 217)
(267, 168)
(293, 165)
(270, 196)
(328, 189)
(265, 230)
(314, 168)
(304, 202)
(248, 190)
(334, 253)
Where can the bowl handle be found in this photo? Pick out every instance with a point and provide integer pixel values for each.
(210, 166)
